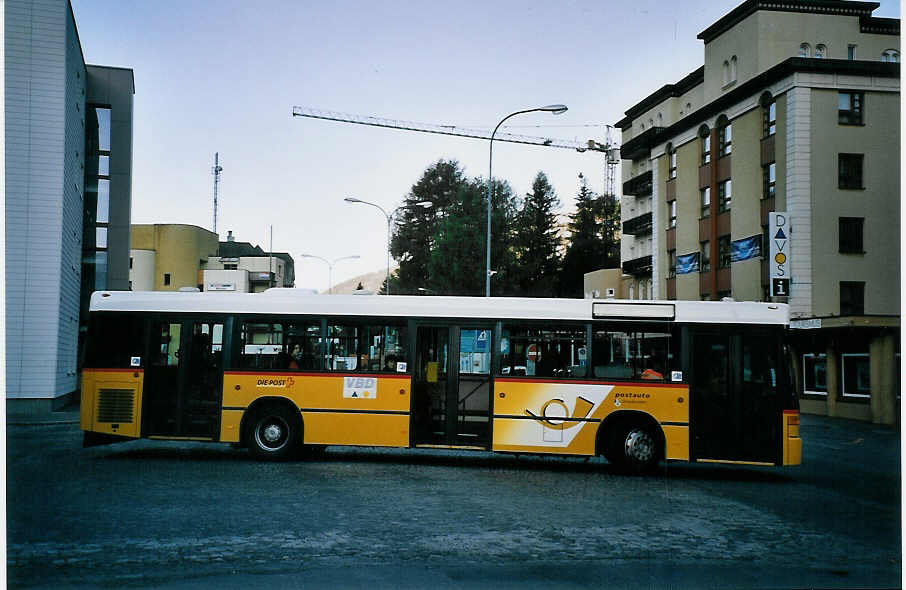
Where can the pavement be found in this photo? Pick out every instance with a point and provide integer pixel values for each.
(67, 415)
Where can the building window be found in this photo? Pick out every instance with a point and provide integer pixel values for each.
(814, 373)
(671, 272)
(130, 263)
(805, 50)
(724, 195)
(850, 171)
(850, 52)
(849, 108)
(769, 119)
(705, 257)
(166, 278)
(672, 164)
(671, 214)
(856, 375)
(820, 50)
(725, 137)
(733, 62)
(852, 297)
(706, 147)
(890, 55)
(230, 266)
(723, 252)
(769, 173)
(850, 237)
(706, 201)
(726, 72)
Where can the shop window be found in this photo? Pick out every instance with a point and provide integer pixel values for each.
(856, 375)
(850, 235)
(814, 373)
(849, 108)
(558, 352)
(850, 171)
(852, 298)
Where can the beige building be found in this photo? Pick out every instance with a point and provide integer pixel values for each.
(168, 257)
(795, 110)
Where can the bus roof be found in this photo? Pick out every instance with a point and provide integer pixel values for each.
(290, 301)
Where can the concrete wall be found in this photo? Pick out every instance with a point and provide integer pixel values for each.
(43, 74)
(745, 208)
(141, 275)
(878, 203)
(688, 212)
(181, 250)
(601, 280)
(226, 280)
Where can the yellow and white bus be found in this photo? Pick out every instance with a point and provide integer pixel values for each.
(635, 381)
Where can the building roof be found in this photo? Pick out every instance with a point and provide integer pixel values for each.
(689, 82)
(232, 249)
(768, 77)
(746, 9)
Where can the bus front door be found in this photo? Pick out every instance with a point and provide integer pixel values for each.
(183, 393)
(453, 386)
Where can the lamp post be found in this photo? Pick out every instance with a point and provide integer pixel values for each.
(389, 216)
(330, 266)
(556, 109)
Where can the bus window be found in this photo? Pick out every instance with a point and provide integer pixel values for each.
(610, 355)
(646, 355)
(366, 348)
(117, 342)
(262, 346)
(536, 352)
(303, 346)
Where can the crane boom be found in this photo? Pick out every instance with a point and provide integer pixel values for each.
(455, 130)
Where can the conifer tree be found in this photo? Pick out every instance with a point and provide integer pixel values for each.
(537, 241)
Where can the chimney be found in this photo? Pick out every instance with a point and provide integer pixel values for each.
(230, 237)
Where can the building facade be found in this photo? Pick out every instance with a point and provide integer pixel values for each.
(795, 110)
(170, 257)
(68, 167)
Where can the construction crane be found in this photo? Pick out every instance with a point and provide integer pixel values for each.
(611, 151)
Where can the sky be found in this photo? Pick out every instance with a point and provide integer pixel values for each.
(224, 76)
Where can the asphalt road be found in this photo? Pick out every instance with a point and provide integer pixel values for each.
(189, 515)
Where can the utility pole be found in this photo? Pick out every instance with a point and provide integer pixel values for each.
(216, 170)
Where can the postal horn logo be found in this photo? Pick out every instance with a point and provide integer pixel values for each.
(554, 413)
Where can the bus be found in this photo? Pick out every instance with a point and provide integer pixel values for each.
(278, 372)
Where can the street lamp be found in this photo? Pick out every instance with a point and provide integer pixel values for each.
(389, 216)
(330, 266)
(556, 109)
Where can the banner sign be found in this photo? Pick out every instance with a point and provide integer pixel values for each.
(745, 249)
(779, 261)
(687, 263)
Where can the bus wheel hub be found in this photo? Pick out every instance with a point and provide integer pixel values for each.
(272, 433)
(639, 446)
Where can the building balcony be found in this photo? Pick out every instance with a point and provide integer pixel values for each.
(640, 266)
(638, 226)
(639, 185)
(641, 144)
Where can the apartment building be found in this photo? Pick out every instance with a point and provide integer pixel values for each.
(795, 111)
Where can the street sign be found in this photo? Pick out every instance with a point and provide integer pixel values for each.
(779, 249)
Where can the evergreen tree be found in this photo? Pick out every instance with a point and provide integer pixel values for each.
(415, 227)
(594, 239)
(537, 242)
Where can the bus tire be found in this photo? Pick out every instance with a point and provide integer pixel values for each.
(636, 448)
(274, 433)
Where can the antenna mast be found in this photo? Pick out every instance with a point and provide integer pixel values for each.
(216, 170)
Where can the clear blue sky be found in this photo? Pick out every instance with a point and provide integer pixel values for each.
(224, 76)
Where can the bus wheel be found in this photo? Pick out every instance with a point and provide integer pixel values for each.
(636, 449)
(273, 433)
